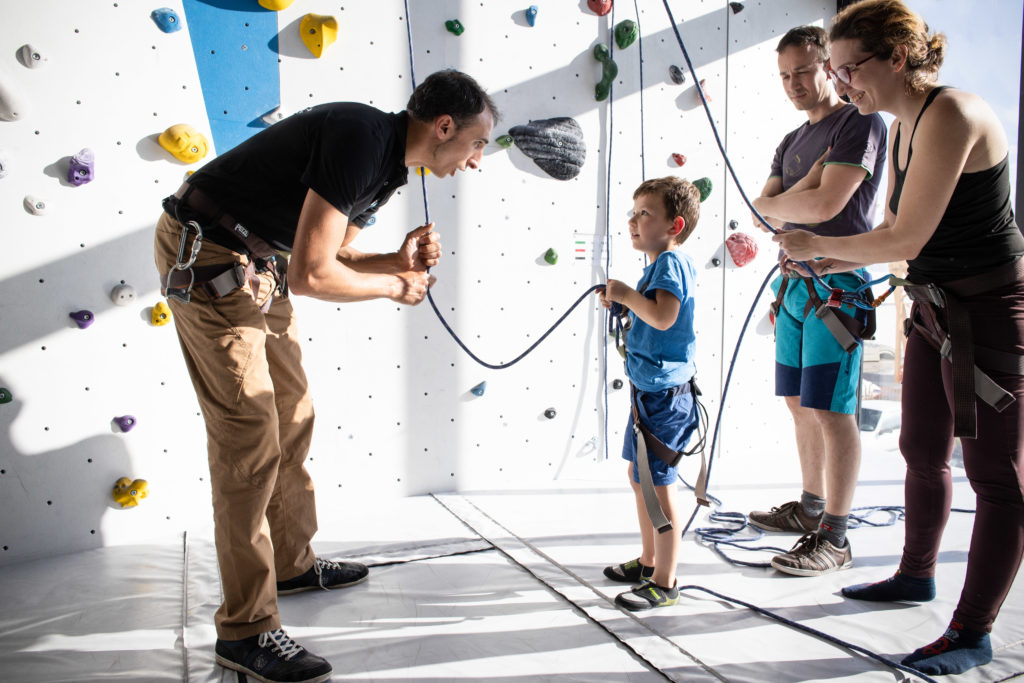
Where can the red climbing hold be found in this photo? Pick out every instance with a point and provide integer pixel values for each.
(742, 248)
(678, 158)
(600, 7)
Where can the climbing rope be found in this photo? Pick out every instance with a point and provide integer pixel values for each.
(426, 213)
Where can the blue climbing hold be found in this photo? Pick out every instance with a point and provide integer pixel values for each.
(479, 389)
(531, 15)
(166, 19)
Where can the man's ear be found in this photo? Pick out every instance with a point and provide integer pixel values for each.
(677, 225)
(444, 126)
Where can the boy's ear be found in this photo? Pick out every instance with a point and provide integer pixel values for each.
(677, 225)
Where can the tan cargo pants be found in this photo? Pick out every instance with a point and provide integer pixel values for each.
(247, 371)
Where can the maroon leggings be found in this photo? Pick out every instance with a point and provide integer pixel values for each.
(994, 461)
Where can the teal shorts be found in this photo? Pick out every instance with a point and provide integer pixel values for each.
(809, 362)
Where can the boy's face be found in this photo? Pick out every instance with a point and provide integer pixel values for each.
(651, 229)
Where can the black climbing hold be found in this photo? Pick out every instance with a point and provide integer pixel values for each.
(616, 384)
(556, 145)
(736, 7)
(733, 224)
(5, 395)
(716, 262)
(676, 74)
(550, 413)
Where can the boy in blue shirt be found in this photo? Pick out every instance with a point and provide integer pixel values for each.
(660, 364)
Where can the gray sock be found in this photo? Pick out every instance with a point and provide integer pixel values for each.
(833, 529)
(813, 505)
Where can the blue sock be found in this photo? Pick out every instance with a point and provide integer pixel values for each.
(958, 650)
(896, 587)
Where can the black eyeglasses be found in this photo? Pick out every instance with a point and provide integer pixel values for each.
(845, 73)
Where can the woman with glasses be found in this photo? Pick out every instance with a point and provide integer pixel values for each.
(949, 216)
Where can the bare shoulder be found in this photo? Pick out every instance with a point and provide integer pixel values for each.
(962, 119)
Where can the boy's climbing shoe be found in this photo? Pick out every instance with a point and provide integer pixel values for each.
(629, 572)
(646, 596)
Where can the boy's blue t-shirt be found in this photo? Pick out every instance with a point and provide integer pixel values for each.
(657, 360)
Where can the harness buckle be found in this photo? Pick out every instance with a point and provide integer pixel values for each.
(185, 295)
(927, 293)
(835, 298)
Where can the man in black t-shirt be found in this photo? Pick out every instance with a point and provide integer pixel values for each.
(292, 198)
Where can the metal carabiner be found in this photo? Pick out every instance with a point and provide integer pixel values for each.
(197, 244)
(185, 294)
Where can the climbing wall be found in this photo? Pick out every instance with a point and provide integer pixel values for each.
(396, 414)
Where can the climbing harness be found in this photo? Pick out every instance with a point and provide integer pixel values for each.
(193, 209)
(847, 329)
(619, 324)
(943, 319)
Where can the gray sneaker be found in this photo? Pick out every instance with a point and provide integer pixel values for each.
(813, 556)
(790, 518)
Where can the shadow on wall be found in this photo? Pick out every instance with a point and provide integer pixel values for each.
(82, 280)
(55, 500)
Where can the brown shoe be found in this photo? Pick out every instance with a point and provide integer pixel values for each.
(813, 556)
(790, 517)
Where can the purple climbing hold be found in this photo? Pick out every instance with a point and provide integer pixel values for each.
(166, 19)
(125, 422)
(82, 168)
(82, 318)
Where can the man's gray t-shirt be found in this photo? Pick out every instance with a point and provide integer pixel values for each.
(856, 141)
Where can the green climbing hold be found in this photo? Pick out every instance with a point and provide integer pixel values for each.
(454, 26)
(551, 256)
(703, 185)
(505, 141)
(626, 33)
(609, 70)
(5, 395)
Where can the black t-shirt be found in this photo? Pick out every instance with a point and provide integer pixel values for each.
(351, 154)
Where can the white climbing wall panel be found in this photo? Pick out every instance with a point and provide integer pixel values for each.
(395, 415)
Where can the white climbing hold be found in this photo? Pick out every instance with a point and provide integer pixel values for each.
(273, 116)
(122, 294)
(35, 206)
(31, 57)
(13, 106)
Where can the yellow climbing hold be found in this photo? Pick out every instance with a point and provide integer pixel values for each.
(318, 31)
(128, 493)
(161, 314)
(276, 5)
(184, 142)
(422, 171)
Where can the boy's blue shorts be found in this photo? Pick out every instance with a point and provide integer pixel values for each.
(809, 362)
(671, 415)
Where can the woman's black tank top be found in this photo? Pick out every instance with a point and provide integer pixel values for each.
(977, 232)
